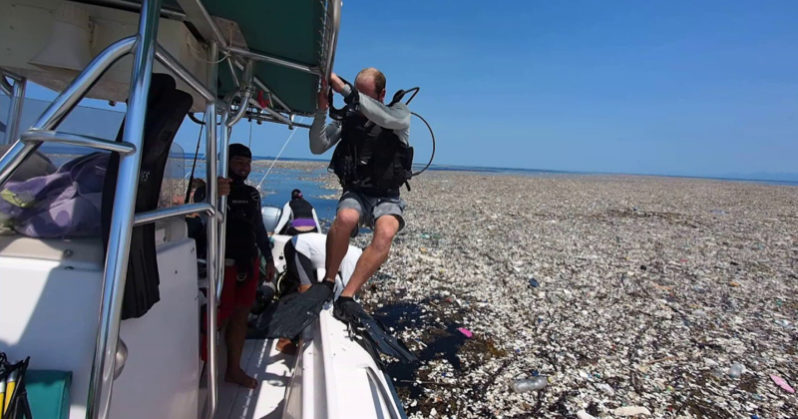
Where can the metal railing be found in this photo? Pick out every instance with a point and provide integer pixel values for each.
(118, 251)
(40, 136)
(165, 58)
(17, 95)
(64, 103)
(212, 229)
(145, 50)
(124, 218)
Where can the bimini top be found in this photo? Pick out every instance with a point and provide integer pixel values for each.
(288, 45)
(292, 44)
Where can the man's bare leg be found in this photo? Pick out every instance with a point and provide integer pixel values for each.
(338, 240)
(376, 253)
(235, 335)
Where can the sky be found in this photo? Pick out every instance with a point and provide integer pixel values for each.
(705, 88)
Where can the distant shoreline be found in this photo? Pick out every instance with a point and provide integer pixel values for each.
(538, 172)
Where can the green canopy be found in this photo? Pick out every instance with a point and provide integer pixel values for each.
(290, 41)
(289, 30)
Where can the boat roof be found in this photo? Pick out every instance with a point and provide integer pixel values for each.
(292, 43)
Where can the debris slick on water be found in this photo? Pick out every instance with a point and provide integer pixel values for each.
(650, 297)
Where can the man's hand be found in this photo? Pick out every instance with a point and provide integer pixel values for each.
(223, 186)
(336, 83)
(322, 98)
(270, 270)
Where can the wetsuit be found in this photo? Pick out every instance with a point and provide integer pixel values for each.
(245, 235)
(301, 214)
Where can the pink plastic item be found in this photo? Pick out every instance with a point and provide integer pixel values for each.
(781, 383)
(465, 332)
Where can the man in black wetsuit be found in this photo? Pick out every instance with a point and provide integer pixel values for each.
(245, 235)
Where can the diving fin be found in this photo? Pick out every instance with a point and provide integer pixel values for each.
(166, 108)
(351, 313)
(297, 311)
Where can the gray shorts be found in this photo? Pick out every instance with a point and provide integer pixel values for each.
(372, 207)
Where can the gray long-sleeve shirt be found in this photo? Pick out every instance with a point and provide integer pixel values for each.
(395, 118)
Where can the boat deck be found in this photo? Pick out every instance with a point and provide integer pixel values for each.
(273, 371)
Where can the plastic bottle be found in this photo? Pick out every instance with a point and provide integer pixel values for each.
(530, 384)
(736, 370)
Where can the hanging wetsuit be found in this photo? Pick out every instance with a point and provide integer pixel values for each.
(166, 108)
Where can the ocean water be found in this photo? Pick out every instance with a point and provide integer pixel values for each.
(276, 189)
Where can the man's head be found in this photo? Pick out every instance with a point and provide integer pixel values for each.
(240, 162)
(296, 193)
(371, 82)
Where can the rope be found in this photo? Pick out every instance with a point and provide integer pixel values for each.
(277, 157)
(193, 165)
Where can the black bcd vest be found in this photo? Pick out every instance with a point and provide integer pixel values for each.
(370, 158)
(301, 208)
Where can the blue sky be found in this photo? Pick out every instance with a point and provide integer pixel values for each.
(704, 88)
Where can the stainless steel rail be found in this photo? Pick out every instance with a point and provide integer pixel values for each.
(224, 168)
(245, 92)
(269, 118)
(116, 258)
(262, 86)
(201, 19)
(274, 114)
(163, 213)
(245, 53)
(64, 103)
(335, 18)
(34, 135)
(212, 231)
(17, 94)
(165, 58)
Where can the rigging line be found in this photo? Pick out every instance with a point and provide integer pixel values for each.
(250, 136)
(277, 157)
(193, 166)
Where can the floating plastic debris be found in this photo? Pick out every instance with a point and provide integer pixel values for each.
(530, 384)
(736, 370)
(631, 411)
(781, 383)
(658, 336)
(467, 333)
(606, 388)
(533, 283)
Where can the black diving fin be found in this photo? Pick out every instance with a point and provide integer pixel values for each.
(297, 311)
(351, 313)
(166, 108)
